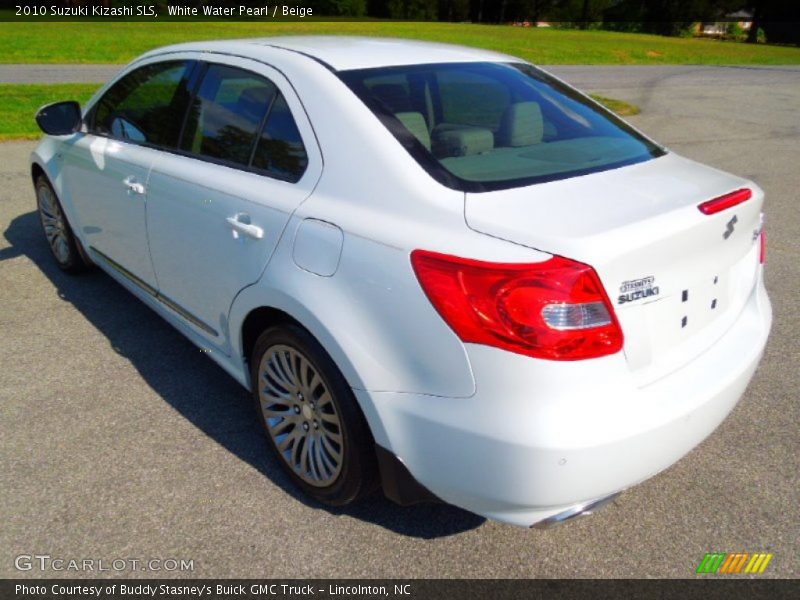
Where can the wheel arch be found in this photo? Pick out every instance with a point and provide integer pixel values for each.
(258, 320)
(37, 171)
(257, 308)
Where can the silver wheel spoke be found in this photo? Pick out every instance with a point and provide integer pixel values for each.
(295, 452)
(281, 427)
(334, 437)
(314, 381)
(321, 467)
(47, 212)
(335, 454)
(325, 459)
(283, 362)
(271, 413)
(301, 415)
(314, 470)
(277, 375)
(274, 391)
(283, 446)
(329, 418)
(63, 248)
(304, 457)
(324, 399)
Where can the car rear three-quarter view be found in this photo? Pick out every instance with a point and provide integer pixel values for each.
(436, 268)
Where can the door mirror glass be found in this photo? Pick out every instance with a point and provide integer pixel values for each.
(61, 118)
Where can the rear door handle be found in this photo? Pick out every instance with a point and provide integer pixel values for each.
(241, 224)
(133, 186)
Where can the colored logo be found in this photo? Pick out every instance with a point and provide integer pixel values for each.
(720, 563)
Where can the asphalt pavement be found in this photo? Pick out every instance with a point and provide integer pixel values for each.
(121, 440)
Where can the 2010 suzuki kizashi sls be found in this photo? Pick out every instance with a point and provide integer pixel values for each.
(437, 268)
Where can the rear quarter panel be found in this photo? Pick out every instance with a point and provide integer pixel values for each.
(371, 315)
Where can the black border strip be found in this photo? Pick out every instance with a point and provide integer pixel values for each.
(704, 588)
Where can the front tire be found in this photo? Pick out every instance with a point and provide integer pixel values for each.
(311, 418)
(64, 246)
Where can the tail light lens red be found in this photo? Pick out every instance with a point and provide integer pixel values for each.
(715, 205)
(556, 310)
(762, 256)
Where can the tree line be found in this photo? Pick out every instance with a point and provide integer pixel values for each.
(781, 18)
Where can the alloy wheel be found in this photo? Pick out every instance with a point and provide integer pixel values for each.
(53, 223)
(301, 415)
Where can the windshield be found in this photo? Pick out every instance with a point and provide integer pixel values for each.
(488, 126)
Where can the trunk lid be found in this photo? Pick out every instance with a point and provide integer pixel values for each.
(676, 280)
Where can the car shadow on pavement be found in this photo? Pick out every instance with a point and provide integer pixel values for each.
(204, 394)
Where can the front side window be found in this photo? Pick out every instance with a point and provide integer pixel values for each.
(146, 106)
(488, 126)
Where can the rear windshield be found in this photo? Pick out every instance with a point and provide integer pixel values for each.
(489, 126)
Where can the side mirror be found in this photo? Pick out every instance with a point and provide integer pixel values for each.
(60, 118)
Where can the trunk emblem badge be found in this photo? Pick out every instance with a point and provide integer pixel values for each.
(636, 289)
(729, 227)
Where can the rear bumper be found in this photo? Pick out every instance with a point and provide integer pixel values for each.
(540, 437)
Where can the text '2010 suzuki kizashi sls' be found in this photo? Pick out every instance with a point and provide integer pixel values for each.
(437, 268)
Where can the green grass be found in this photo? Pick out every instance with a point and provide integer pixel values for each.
(20, 103)
(623, 109)
(103, 42)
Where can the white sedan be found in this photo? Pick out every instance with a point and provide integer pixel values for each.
(437, 268)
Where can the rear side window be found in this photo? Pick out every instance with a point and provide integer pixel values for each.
(146, 106)
(227, 114)
(280, 151)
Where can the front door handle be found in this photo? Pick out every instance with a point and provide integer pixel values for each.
(133, 186)
(241, 224)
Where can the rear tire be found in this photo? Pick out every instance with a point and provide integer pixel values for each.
(311, 418)
(64, 246)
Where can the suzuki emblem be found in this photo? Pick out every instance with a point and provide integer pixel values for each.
(729, 227)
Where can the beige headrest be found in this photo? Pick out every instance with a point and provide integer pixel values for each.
(450, 141)
(521, 125)
(415, 123)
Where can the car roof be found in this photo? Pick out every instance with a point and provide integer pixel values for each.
(341, 53)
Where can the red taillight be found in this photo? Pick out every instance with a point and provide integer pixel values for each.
(762, 255)
(556, 309)
(715, 205)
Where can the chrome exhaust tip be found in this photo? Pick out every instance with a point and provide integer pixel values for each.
(579, 510)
